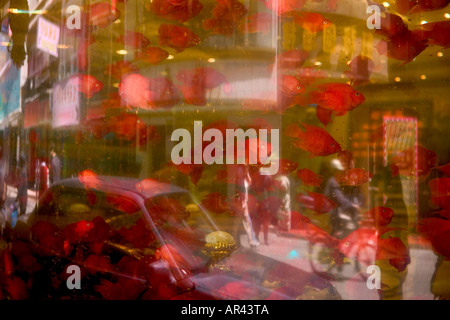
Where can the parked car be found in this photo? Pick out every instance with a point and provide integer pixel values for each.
(136, 239)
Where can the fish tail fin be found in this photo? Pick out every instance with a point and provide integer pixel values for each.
(302, 100)
(324, 115)
(293, 130)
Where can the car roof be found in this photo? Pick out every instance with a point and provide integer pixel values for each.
(116, 184)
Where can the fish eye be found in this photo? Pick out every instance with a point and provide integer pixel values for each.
(332, 144)
(357, 94)
(347, 243)
(325, 22)
(298, 87)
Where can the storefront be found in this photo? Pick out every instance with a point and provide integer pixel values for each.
(310, 134)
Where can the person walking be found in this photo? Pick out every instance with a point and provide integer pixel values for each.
(55, 166)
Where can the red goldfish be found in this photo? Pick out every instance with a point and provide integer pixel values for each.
(309, 178)
(291, 59)
(309, 75)
(152, 186)
(353, 177)
(89, 179)
(381, 215)
(152, 55)
(403, 47)
(128, 126)
(391, 25)
(437, 231)
(194, 95)
(177, 37)
(437, 33)
(445, 169)
(361, 68)
(258, 22)
(82, 52)
(314, 140)
(284, 7)
(215, 202)
(194, 171)
(227, 14)
(316, 202)
(311, 21)
(180, 11)
(360, 245)
(102, 14)
(439, 186)
(163, 93)
(122, 204)
(206, 77)
(312, 233)
(291, 86)
(405, 7)
(120, 68)
(286, 166)
(404, 162)
(88, 85)
(134, 90)
(133, 39)
(240, 201)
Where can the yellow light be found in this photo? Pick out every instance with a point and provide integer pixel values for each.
(123, 52)
(115, 85)
(423, 22)
(63, 46)
(211, 60)
(423, 77)
(317, 63)
(397, 79)
(447, 15)
(5, 44)
(170, 57)
(440, 54)
(117, 21)
(386, 4)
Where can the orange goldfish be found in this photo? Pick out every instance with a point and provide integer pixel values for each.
(89, 179)
(177, 37)
(206, 77)
(437, 33)
(314, 140)
(286, 166)
(120, 68)
(403, 162)
(134, 90)
(437, 231)
(291, 86)
(180, 11)
(381, 215)
(291, 59)
(102, 14)
(133, 39)
(353, 177)
(88, 85)
(128, 126)
(309, 178)
(391, 25)
(227, 15)
(257, 23)
(312, 233)
(316, 202)
(312, 21)
(152, 55)
(193, 94)
(152, 186)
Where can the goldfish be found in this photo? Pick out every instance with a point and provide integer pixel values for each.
(403, 47)
(177, 37)
(152, 186)
(315, 140)
(353, 177)
(120, 68)
(439, 186)
(102, 14)
(219, 26)
(7, 262)
(152, 55)
(286, 166)
(312, 21)
(406, 7)
(381, 215)
(133, 39)
(88, 85)
(309, 178)
(234, 174)
(437, 231)
(360, 245)
(181, 11)
(260, 22)
(403, 162)
(77, 231)
(316, 202)
(391, 25)
(82, 52)
(194, 171)
(193, 94)
(284, 7)
(291, 86)
(215, 202)
(241, 201)
(227, 15)
(312, 233)
(134, 91)
(163, 93)
(437, 33)
(291, 59)
(206, 77)
(89, 179)
(361, 68)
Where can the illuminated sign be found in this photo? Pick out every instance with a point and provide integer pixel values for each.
(65, 104)
(48, 37)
